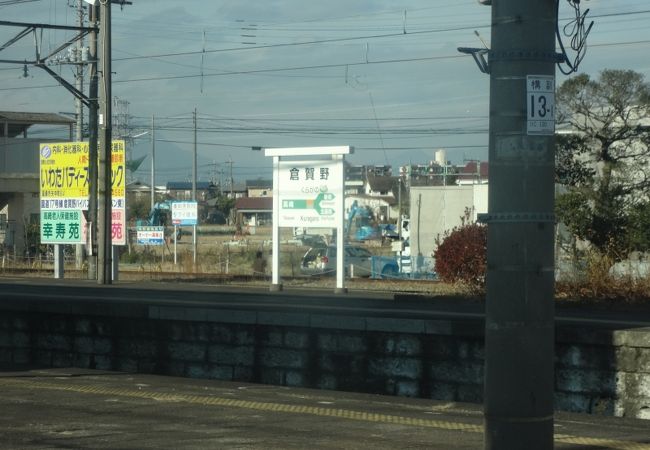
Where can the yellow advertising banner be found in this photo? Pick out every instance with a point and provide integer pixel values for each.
(64, 175)
(65, 182)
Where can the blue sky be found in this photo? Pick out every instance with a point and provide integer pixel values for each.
(383, 76)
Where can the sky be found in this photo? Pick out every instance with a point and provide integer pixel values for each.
(383, 76)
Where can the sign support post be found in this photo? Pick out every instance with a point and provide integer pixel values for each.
(340, 233)
(59, 261)
(275, 233)
(308, 192)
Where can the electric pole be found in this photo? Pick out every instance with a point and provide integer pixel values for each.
(153, 162)
(232, 181)
(79, 78)
(104, 247)
(92, 145)
(194, 159)
(194, 227)
(519, 334)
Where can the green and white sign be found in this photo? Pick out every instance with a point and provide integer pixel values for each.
(61, 226)
(309, 193)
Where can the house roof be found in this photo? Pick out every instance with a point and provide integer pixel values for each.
(381, 184)
(254, 204)
(364, 198)
(187, 185)
(474, 169)
(259, 183)
(19, 121)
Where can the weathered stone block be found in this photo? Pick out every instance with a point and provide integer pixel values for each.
(403, 345)
(187, 351)
(5, 339)
(18, 323)
(271, 338)
(219, 372)
(581, 381)
(294, 379)
(341, 363)
(21, 356)
(298, 340)
(221, 333)
(190, 331)
(83, 344)
(272, 376)
(331, 342)
(440, 347)
(407, 388)
(245, 336)
(572, 402)
(83, 326)
(229, 355)
(62, 359)
(54, 342)
(103, 362)
(193, 370)
(457, 372)
(5, 355)
(637, 385)
(241, 373)
(43, 357)
(602, 405)
(277, 357)
(81, 360)
(410, 368)
(137, 348)
(327, 381)
(102, 345)
(469, 393)
(443, 391)
(20, 339)
(127, 365)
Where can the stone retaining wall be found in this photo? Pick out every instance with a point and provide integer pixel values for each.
(597, 370)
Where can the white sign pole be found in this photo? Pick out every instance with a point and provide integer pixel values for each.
(340, 233)
(59, 261)
(275, 236)
(194, 245)
(175, 242)
(115, 254)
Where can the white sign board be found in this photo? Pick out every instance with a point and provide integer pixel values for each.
(309, 193)
(184, 213)
(151, 235)
(540, 99)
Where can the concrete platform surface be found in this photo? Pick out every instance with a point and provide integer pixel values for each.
(86, 409)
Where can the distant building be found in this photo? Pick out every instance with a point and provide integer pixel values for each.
(474, 172)
(435, 210)
(182, 190)
(19, 171)
(259, 188)
(254, 211)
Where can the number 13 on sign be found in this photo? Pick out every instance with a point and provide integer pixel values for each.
(540, 93)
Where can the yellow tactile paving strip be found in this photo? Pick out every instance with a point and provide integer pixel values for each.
(304, 409)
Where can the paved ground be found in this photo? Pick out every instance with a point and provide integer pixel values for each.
(83, 409)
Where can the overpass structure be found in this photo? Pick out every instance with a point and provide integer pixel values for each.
(19, 170)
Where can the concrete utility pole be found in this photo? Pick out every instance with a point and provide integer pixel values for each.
(79, 78)
(194, 170)
(104, 247)
(194, 159)
(153, 162)
(92, 146)
(519, 332)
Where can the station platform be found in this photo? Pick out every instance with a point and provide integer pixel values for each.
(77, 408)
